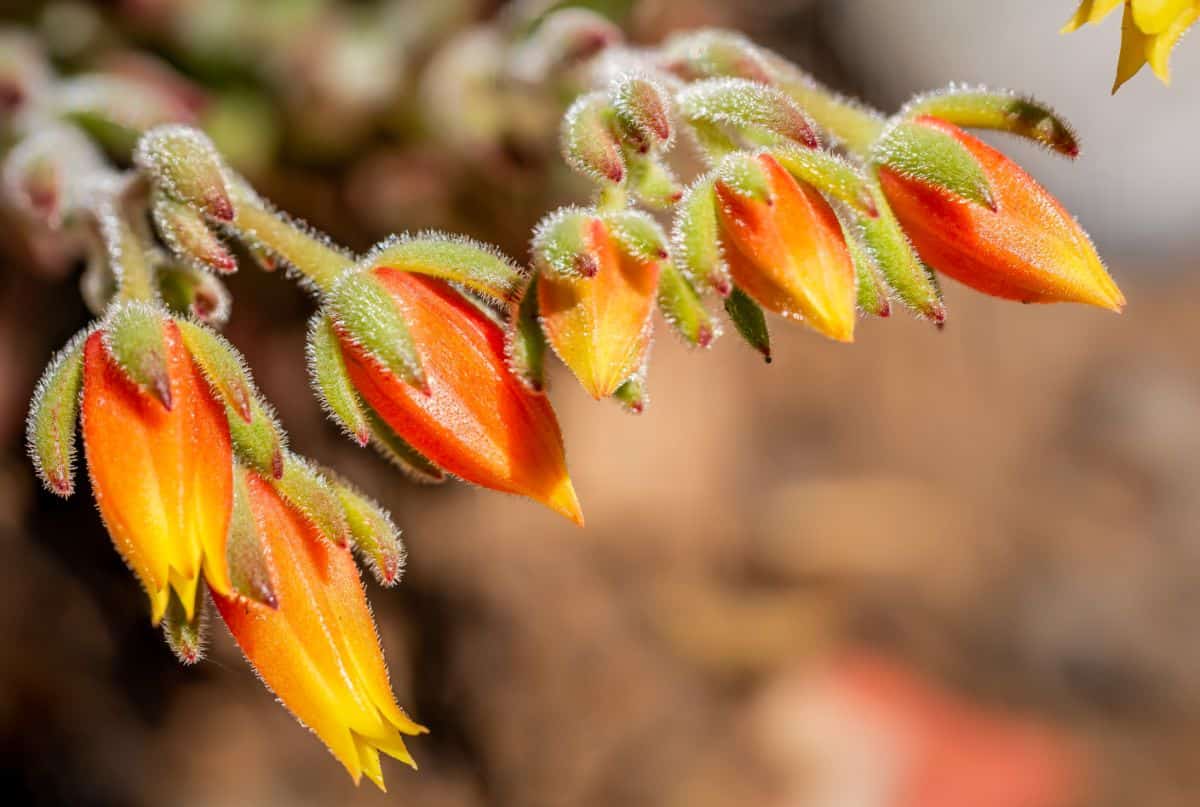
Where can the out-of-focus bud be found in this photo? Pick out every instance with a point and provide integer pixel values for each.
(600, 325)
(186, 167)
(589, 142)
(44, 175)
(162, 477)
(1025, 247)
(375, 536)
(708, 54)
(188, 235)
(24, 73)
(683, 309)
(746, 105)
(50, 428)
(564, 39)
(116, 110)
(473, 418)
(317, 648)
(787, 250)
(193, 292)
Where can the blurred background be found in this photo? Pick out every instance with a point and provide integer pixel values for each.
(932, 569)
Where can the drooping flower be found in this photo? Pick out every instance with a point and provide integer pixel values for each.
(785, 248)
(161, 466)
(316, 646)
(1022, 246)
(598, 321)
(1150, 30)
(468, 414)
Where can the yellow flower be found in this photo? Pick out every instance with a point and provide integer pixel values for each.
(1149, 32)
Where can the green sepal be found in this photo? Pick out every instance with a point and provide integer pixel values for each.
(525, 344)
(872, 293)
(744, 174)
(327, 368)
(477, 266)
(829, 174)
(682, 307)
(898, 262)
(1001, 110)
(222, 365)
(934, 158)
(50, 426)
(696, 236)
(365, 313)
(638, 234)
(652, 181)
(259, 442)
(186, 637)
(633, 395)
(747, 105)
(374, 534)
(310, 494)
(136, 341)
(562, 243)
(749, 321)
(249, 564)
(396, 450)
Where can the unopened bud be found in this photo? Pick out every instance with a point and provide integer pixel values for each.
(633, 396)
(709, 54)
(192, 291)
(187, 234)
(980, 108)
(565, 38)
(643, 110)
(185, 166)
(743, 105)
(589, 143)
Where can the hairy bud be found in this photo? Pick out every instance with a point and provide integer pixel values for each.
(185, 166)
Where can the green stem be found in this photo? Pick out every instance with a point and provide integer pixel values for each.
(612, 198)
(856, 125)
(313, 256)
(128, 246)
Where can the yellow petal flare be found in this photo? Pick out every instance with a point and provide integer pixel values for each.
(318, 649)
(1150, 30)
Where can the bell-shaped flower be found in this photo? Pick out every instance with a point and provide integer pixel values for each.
(315, 643)
(159, 455)
(1014, 240)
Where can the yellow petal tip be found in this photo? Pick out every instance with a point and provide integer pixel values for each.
(563, 500)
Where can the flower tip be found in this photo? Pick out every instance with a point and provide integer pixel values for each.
(362, 436)
(61, 485)
(704, 336)
(564, 501)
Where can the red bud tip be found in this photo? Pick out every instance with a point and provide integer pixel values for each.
(11, 96)
(61, 485)
(704, 335)
(586, 264)
(219, 205)
(722, 285)
(940, 324)
(886, 310)
(277, 463)
(363, 436)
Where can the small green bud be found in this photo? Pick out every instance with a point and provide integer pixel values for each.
(748, 105)
(589, 142)
(184, 164)
(1002, 110)
(186, 232)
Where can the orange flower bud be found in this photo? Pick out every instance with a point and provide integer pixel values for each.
(475, 419)
(1026, 247)
(600, 325)
(787, 251)
(317, 649)
(163, 478)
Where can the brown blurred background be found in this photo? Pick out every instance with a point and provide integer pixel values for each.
(931, 568)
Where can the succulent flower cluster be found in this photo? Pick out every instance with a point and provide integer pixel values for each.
(432, 347)
(1150, 30)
